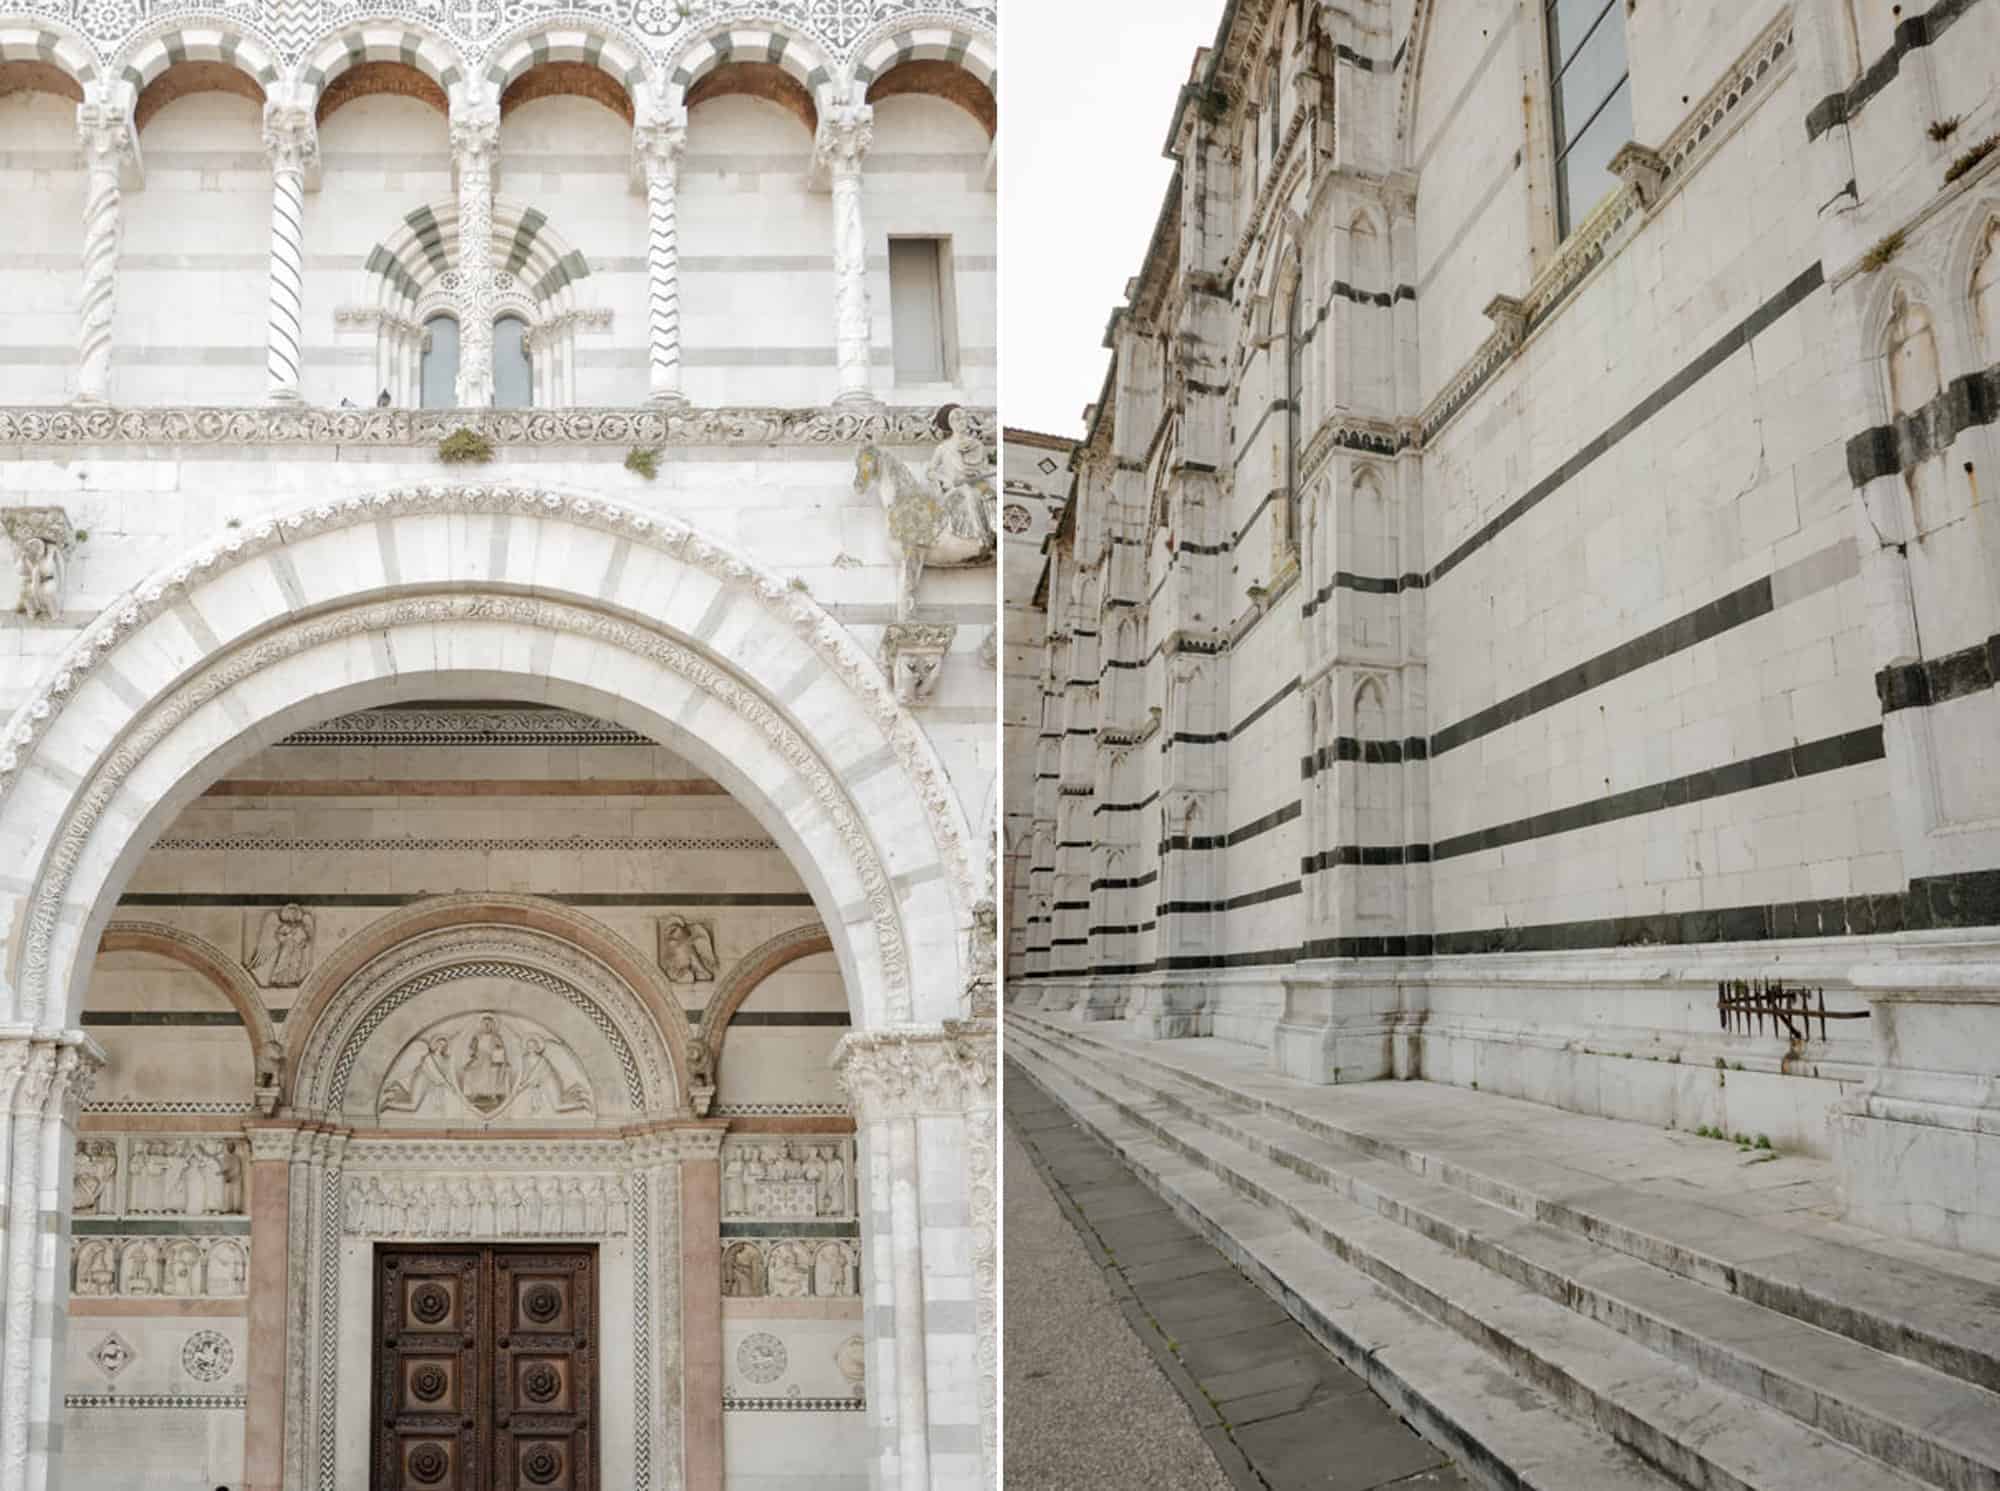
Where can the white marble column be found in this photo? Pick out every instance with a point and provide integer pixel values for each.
(292, 143)
(110, 157)
(475, 139)
(923, 1105)
(845, 133)
(44, 1081)
(658, 143)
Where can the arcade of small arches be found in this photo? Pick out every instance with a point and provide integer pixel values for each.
(474, 298)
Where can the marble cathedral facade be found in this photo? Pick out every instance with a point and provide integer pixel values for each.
(1531, 564)
(498, 772)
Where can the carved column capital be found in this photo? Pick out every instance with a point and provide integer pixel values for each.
(659, 142)
(267, 1143)
(704, 1143)
(911, 1070)
(108, 138)
(291, 139)
(845, 133)
(475, 133)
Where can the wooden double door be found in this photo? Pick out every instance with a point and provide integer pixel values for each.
(485, 1369)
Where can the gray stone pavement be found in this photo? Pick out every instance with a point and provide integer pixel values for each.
(1137, 1356)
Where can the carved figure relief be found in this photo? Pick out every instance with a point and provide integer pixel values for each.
(687, 950)
(91, 1188)
(792, 1268)
(145, 1267)
(946, 516)
(482, 1066)
(42, 539)
(186, 1177)
(282, 955)
(484, 1205)
(786, 1179)
(850, 1359)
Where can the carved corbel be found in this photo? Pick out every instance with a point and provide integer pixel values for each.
(42, 540)
(1641, 169)
(913, 654)
(1510, 317)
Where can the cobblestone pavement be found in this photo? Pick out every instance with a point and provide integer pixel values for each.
(1137, 1355)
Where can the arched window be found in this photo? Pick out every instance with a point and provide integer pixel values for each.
(513, 373)
(438, 381)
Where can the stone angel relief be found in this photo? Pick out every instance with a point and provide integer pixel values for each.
(283, 953)
(945, 517)
(687, 950)
(483, 1066)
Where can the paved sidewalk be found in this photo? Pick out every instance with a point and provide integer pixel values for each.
(1137, 1355)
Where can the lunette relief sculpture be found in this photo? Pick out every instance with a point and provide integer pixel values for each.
(484, 1065)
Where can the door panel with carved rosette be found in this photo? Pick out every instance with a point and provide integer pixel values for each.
(485, 1374)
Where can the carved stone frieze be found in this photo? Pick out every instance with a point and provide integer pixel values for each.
(484, 1204)
(486, 1066)
(190, 1267)
(42, 539)
(788, 1179)
(908, 1071)
(791, 1268)
(832, 429)
(159, 1177)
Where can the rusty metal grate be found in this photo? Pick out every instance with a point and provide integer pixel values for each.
(1744, 1004)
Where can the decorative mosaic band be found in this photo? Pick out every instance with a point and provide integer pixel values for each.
(198, 1401)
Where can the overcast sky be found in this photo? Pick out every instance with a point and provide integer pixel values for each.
(1087, 90)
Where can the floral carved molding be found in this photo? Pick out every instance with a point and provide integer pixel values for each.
(832, 429)
(786, 605)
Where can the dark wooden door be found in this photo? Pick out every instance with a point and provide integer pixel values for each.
(485, 1369)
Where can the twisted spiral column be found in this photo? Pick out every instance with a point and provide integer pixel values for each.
(105, 133)
(291, 144)
(845, 133)
(659, 146)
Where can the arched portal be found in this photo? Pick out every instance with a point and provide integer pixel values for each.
(553, 1039)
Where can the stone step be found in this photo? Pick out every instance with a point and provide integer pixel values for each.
(1904, 1414)
(1701, 1433)
(1504, 1434)
(1680, 1203)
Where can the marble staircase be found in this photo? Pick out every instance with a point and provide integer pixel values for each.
(1561, 1302)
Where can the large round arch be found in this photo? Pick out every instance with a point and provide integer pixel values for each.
(471, 591)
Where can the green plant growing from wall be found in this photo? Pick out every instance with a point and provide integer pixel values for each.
(463, 445)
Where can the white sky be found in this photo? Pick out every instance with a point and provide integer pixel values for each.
(1087, 90)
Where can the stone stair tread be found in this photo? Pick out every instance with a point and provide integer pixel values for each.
(1907, 1394)
(1918, 1302)
(1758, 1444)
(1411, 1360)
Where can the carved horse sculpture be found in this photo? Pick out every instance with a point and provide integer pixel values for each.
(941, 518)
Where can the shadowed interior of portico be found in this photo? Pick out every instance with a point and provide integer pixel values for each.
(472, 967)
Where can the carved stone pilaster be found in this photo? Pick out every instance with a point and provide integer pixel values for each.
(475, 140)
(110, 144)
(658, 143)
(42, 539)
(845, 133)
(913, 654)
(292, 144)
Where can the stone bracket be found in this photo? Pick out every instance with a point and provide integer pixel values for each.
(913, 654)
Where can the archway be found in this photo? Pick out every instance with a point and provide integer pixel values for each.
(479, 593)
